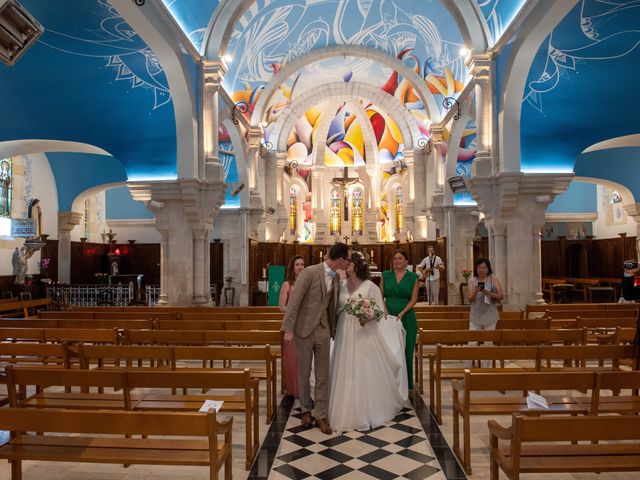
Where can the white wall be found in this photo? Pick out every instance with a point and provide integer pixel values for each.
(601, 229)
(32, 178)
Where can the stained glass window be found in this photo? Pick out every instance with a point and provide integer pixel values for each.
(293, 211)
(399, 210)
(356, 212)
(6, 186)
(335, 218)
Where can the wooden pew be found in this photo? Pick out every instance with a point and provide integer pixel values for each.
(530, 445)
(438, 372)
(466, 403)
(535, 309)
(23, 307)
(73, 323)
(18, 334)
(133, 396)
(88, 443)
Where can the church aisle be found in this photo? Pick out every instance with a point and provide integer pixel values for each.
(401, 449)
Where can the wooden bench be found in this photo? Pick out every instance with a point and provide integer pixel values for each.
(18, 334)
(530, 445)
(438, 372)
(24, 307)
(87, 442)
(535, 309)
(466, 404)
(133, 384)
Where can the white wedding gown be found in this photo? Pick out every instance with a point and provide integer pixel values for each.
(367, 374)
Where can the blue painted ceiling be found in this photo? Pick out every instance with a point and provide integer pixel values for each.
(91, 79)
(193, 17)
(499, 14)
(582, 85)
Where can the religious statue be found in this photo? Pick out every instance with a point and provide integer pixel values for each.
(21, 263)
(35, 204)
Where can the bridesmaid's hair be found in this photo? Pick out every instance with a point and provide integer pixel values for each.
(360, 266)
(291, 274)
(401, 252)
(480, 261)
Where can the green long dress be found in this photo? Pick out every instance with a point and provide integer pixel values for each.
(397, 296)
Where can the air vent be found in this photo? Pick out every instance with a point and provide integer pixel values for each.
(18, 31)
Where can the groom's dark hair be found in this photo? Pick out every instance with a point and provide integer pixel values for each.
(360, 266)
(338, 250)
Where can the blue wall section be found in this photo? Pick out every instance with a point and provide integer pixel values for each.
(619, 165)
(120, 205)
(580, 197)
(91, 79)
(76, 172)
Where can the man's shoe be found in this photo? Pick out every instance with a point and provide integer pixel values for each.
(324, 426)
(307, 420)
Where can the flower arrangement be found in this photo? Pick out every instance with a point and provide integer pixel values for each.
(228, 281)
(466, 273)
(365, 309)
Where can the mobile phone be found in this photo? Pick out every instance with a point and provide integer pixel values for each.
(481, 285)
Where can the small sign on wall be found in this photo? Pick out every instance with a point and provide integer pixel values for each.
(23, 227)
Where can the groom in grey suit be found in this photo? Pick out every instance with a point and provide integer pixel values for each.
(311, 319)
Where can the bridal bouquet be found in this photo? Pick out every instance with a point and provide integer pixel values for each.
(365, 309)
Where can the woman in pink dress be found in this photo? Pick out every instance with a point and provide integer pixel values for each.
(290, 365)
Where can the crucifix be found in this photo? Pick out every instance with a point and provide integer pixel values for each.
(344, 183)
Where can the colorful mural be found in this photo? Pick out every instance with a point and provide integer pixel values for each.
(345, 140)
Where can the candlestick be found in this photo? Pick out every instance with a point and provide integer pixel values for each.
(264, 273)
(321, 255)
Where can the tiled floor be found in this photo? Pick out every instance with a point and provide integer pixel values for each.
(399, 449)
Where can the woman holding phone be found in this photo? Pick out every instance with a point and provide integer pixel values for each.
(485, 292)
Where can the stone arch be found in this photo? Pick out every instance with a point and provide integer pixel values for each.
(626, 192)
(77, 205)
(314, 56)
(345, 91)
(455, 136)
(160, 38)
(618, 142)
(472, 24)
(540, 22)
(26, 146)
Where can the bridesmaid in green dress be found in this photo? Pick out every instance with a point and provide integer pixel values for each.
(400, 291)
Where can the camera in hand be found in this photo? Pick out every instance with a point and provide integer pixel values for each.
(630, 264)
(481, 285)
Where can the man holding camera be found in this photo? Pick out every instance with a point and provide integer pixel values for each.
(429, 270)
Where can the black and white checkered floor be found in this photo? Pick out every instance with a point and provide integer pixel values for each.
(397, 450)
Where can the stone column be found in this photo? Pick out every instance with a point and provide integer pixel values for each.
(200, 283)
(163, 298)
(481, 68)
(436, 181)
(184, 211)
(514, 204)
(66, 222)
(213, 72)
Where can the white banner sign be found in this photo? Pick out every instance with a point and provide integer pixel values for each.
(23, 227)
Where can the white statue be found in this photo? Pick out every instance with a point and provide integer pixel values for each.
(21, 263)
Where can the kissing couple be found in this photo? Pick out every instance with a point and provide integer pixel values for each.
(362, 382)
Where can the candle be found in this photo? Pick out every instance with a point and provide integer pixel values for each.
(372, 255)
(321, 256)
(264, 273)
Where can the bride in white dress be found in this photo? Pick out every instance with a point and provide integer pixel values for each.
(368, 376)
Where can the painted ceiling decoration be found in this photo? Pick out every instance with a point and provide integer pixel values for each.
(193, 17)
(499, 14)
(270, 34)
(580, 73)
(103, 87)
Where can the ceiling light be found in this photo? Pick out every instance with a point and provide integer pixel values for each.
(464, 51)
(227, 58)
(18, 31)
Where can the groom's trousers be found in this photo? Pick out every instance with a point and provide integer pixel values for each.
(315, 347)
